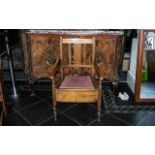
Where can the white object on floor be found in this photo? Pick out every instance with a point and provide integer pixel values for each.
(124, 96)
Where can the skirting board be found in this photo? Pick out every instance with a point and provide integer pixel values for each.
(131, 81)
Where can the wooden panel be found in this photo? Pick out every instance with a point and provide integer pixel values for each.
(76, 95)
(84, 54)
(106, 56)
(78, 66)
(70, 53)
(44, 50)
(77, 54)
(77, 41)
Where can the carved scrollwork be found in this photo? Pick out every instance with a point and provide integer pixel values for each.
(100, 56)
(49, 56)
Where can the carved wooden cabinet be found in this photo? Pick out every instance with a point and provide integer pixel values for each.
(44, 46)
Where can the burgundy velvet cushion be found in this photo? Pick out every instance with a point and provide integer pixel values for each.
(81, 82)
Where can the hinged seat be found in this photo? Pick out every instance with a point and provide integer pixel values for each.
(81, 82)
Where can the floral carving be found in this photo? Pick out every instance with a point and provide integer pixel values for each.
(49, 56)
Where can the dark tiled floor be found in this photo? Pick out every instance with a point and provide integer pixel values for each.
(26, 110)
(108, 120)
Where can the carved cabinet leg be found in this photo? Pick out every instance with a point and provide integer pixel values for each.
(54, 100)
(31, 84)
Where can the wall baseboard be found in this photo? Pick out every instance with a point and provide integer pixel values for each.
(131, 81)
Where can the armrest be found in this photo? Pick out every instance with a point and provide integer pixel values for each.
(54, 68)
(99, 71)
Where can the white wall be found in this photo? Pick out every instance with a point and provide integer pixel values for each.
(131, 77)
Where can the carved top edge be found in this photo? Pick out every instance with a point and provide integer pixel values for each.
(76, 32)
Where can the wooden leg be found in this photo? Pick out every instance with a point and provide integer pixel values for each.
(4, 111)
(2, 99)
(31, 83)
(54, 100)
(99, 101)
(1, 117)
(99, 107)
(55, 111)
(4, 107)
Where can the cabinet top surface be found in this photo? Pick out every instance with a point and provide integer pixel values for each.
(76, 32)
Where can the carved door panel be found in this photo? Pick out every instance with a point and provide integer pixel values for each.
(105, 55)
(44, 50)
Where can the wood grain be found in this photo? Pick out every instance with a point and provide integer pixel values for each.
(76, 95)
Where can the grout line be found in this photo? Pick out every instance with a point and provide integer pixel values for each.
(71, 119)
(29, 105)
(143, 119)
(95, 107)
(41, 100)
(38, 124)
(95, 120)
(59, 112)
(62, 103)
(68, 108)
(91, 122)
(120, 119)
(23, 117)
(46, 98)
(150, 109)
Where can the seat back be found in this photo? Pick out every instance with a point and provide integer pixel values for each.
(77, 56)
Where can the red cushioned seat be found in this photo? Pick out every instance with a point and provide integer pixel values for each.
(82, 82)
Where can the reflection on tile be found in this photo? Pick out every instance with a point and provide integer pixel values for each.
(15, 120)
(131, 118)
(149, 120)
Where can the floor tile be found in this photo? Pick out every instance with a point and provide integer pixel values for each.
(43, 94)
(131, 118)
(23, 100)
(61, 106)
(149, 120)
(108, 120)
(82, 113)
(15, 120)
(62, 121)
(37, 113)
